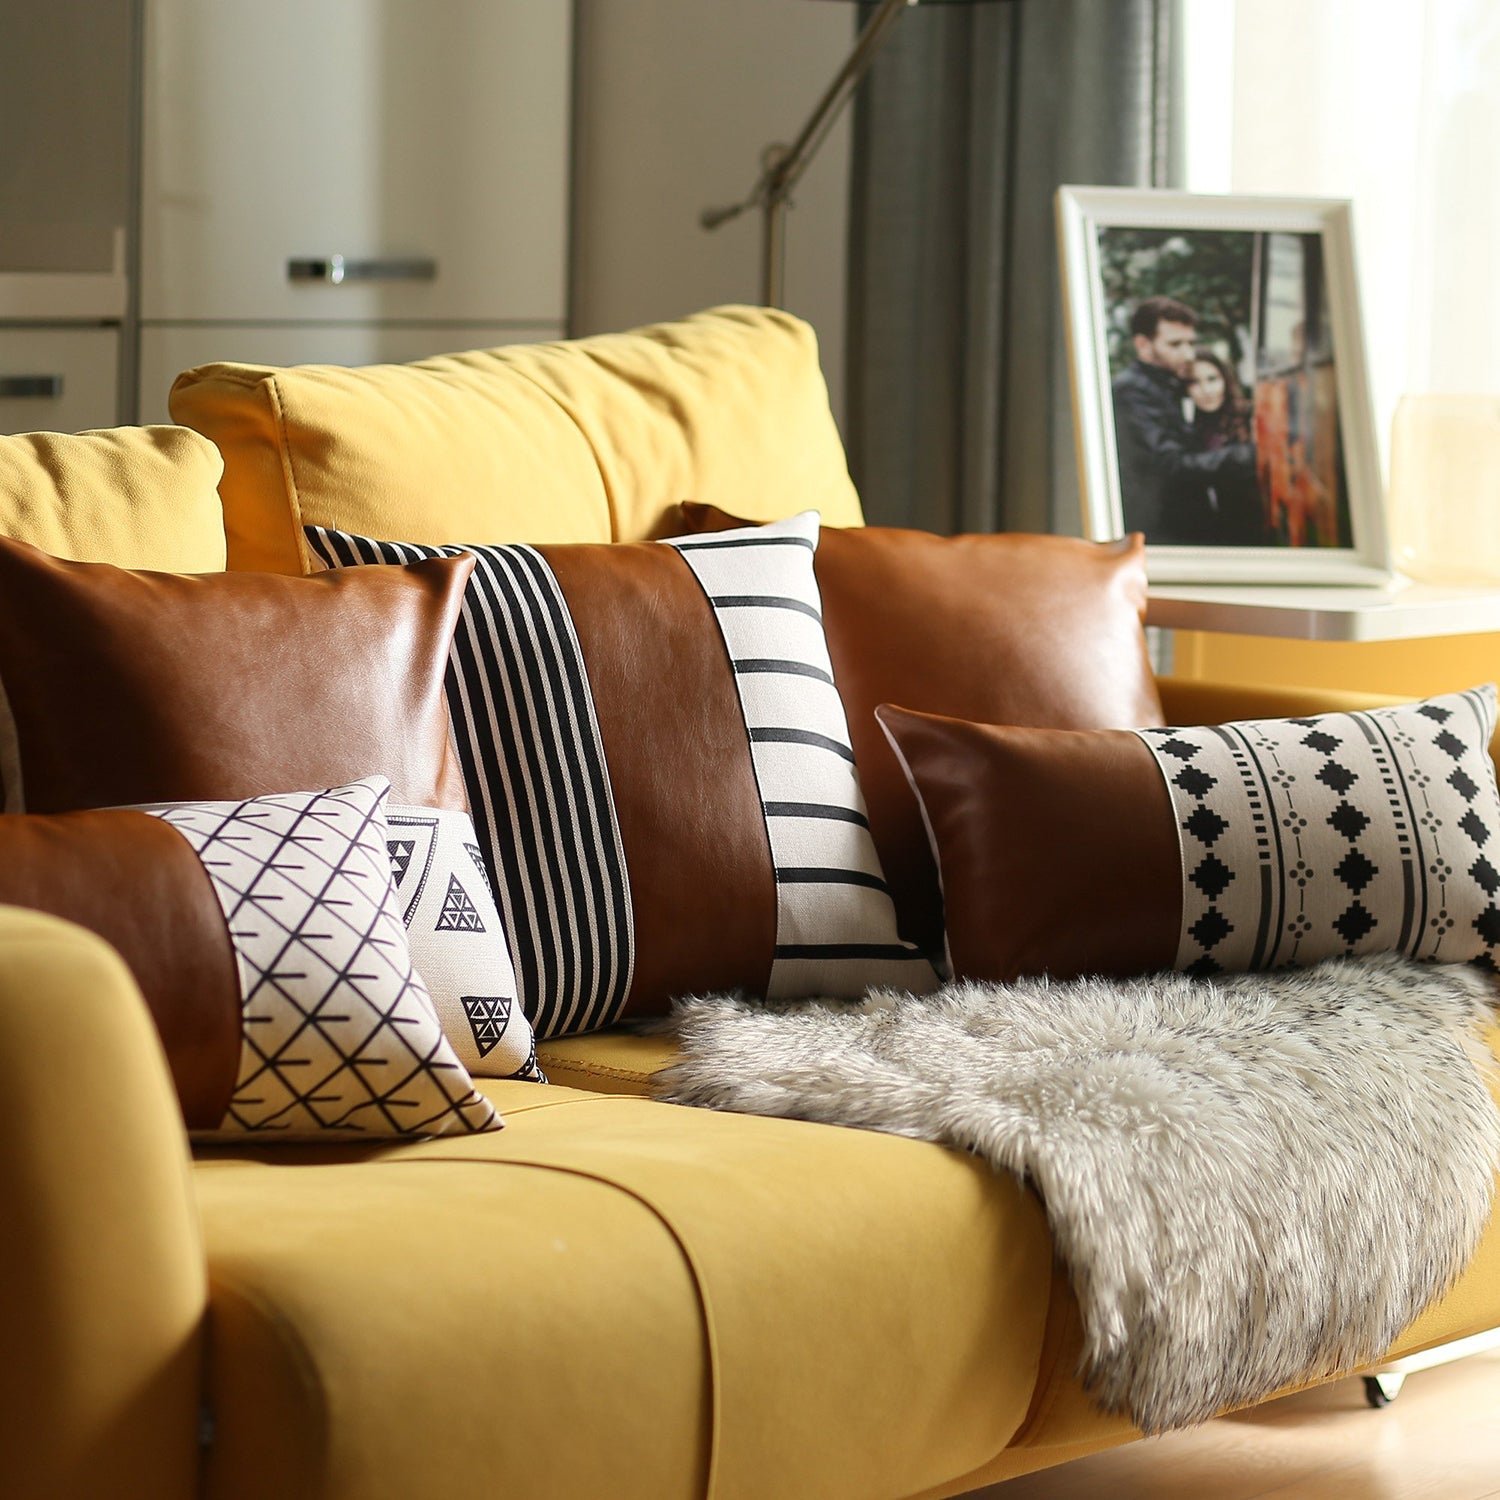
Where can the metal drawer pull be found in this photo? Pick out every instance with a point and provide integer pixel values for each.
(335, 270)
(48, 387)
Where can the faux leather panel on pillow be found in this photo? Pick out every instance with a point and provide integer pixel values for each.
(1006, 629)
(131, 687)
(651, 648)
(1250, 845)
(661, 774)
(133, 880)
(1057, 848)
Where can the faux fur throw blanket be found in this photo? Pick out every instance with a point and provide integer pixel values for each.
(1252, 1180)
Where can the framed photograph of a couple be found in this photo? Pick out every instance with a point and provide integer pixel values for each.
(1220, 394)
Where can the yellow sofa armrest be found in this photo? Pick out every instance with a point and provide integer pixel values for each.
(1186, 700)
(102, 1276)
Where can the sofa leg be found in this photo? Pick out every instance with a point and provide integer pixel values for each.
(1384, 1384)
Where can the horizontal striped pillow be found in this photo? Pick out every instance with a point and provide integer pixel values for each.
(660, 772)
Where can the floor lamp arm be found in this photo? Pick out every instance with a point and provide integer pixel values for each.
(783, 166)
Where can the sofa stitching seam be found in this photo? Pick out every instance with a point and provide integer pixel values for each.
(710, 1332)
(289, 471)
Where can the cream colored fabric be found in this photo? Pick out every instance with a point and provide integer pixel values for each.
(642, 1296)
(139, 497)
(591, 440)
(102, 1289)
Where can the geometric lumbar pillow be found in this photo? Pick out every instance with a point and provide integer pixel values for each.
(1243, 846)
(338, 1032)
(1368, 832)
(660, 772)
(458, 941)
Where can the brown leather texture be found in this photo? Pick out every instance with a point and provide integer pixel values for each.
(136, 881)
(1058, 848)
(702, 881)
(132, 687)
(1005, 629)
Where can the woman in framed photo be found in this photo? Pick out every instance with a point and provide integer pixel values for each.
(1234, 513)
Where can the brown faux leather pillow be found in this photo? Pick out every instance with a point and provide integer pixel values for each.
(121, 687)
(266, 937)
(1006, 628)
(1253, 845)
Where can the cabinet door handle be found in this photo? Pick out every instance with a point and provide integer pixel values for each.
(335, 270)
(47, 387)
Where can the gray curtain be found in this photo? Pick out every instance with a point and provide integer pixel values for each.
(959, 413)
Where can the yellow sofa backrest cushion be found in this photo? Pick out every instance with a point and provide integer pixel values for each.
(587, 440)
(138, 497)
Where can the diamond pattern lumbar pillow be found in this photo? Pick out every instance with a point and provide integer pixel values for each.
(338, 1031)
(661, 774)
(458, 941)
(1251, 845)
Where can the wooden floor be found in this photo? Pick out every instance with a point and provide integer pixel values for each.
(1439, 1441)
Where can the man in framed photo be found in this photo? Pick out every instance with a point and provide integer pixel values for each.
(1169, 482)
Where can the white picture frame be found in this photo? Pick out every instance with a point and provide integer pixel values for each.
(1321, 507)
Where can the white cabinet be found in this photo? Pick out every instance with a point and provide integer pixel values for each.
(388, 132)
(167, 351)
(57, 379)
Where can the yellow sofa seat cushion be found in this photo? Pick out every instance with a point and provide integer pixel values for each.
(618, 1297)
(1063, 1421)
(589, 440)
(138, 497)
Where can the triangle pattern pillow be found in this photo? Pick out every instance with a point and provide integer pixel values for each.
(266, 937)
(660, 770)
(458, 940)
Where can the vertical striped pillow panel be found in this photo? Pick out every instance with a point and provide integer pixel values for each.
(660, 773)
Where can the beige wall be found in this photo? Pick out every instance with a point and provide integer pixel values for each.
(675, 100)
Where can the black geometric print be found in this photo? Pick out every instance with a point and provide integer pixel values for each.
(1474, 827)
(1355, 923)
(1355, 871)
(401, 851)
(459, 914)
(1303, 839)
(477, 855)
(1205, 825)
(1487, 925)
(1339, 778)
(1179, 748)
(1211, 928)
(1450, 744)
(1348, 820)
(1212, 877)
(488, 1015)
(1464, 785)
(1194, 781)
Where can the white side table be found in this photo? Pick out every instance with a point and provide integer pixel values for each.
(1403, 610)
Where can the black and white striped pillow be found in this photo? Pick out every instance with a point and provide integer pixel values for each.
(660, 772)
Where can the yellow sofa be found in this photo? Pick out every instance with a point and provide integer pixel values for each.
(612, 1298)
